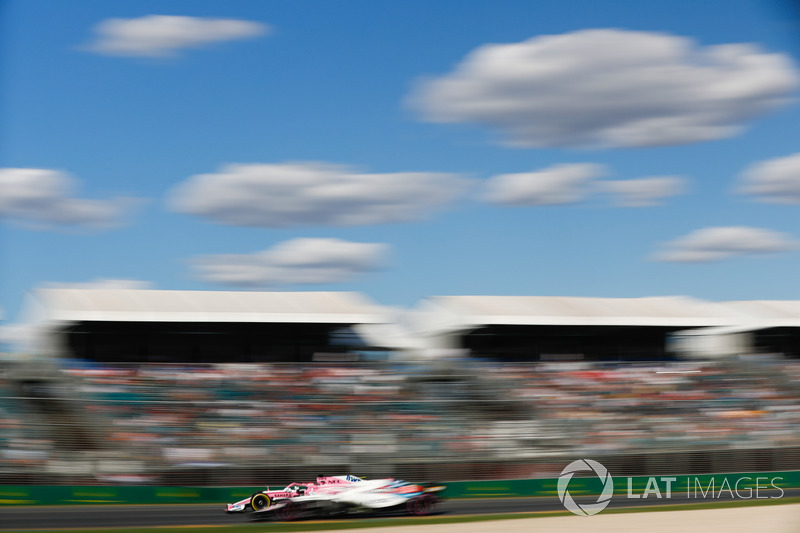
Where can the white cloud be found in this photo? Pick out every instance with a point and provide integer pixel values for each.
(297, 261)
(609, 88)
(643, 192)
(42, 199)
(774, 181)
(558, 184)
(166, 35)
(306, 193)
(718, 243)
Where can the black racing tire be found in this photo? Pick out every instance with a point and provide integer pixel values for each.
(260, 501)
(422, 505)
(290, 511)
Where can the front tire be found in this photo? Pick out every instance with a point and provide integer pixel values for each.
(260, 501)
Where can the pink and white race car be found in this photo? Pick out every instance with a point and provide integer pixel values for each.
(259, 501)
(338, 495)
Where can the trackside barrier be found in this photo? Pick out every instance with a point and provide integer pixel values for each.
(506, 488)
(107, 494)
(636, 485)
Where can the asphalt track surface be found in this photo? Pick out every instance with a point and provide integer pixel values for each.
(111, 517)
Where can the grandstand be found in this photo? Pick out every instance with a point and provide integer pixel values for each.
(177, 387)
(531, 328)
(129, 325)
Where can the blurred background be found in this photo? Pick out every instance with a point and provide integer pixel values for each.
(273, 163)
(186, 388)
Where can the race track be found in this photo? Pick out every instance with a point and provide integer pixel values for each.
(107, 517)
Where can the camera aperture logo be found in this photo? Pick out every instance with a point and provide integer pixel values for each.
(586, 509)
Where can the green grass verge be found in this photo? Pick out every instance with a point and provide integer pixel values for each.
(331, 525)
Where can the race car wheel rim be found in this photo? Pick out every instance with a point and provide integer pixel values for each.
(259, 502)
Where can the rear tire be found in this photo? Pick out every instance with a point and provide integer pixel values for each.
(422, 505)
(288, 512)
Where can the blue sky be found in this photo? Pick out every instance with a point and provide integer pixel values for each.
(402, 149)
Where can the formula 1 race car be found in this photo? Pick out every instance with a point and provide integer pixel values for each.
(259, 501)
(340, 495)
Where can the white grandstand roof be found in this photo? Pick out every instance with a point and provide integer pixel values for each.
(137, 305)
(768, 313)
(668, 311)
(435, 314)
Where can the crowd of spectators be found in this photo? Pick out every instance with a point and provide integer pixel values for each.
(166, 416)
(22, 443)
(635, 407)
